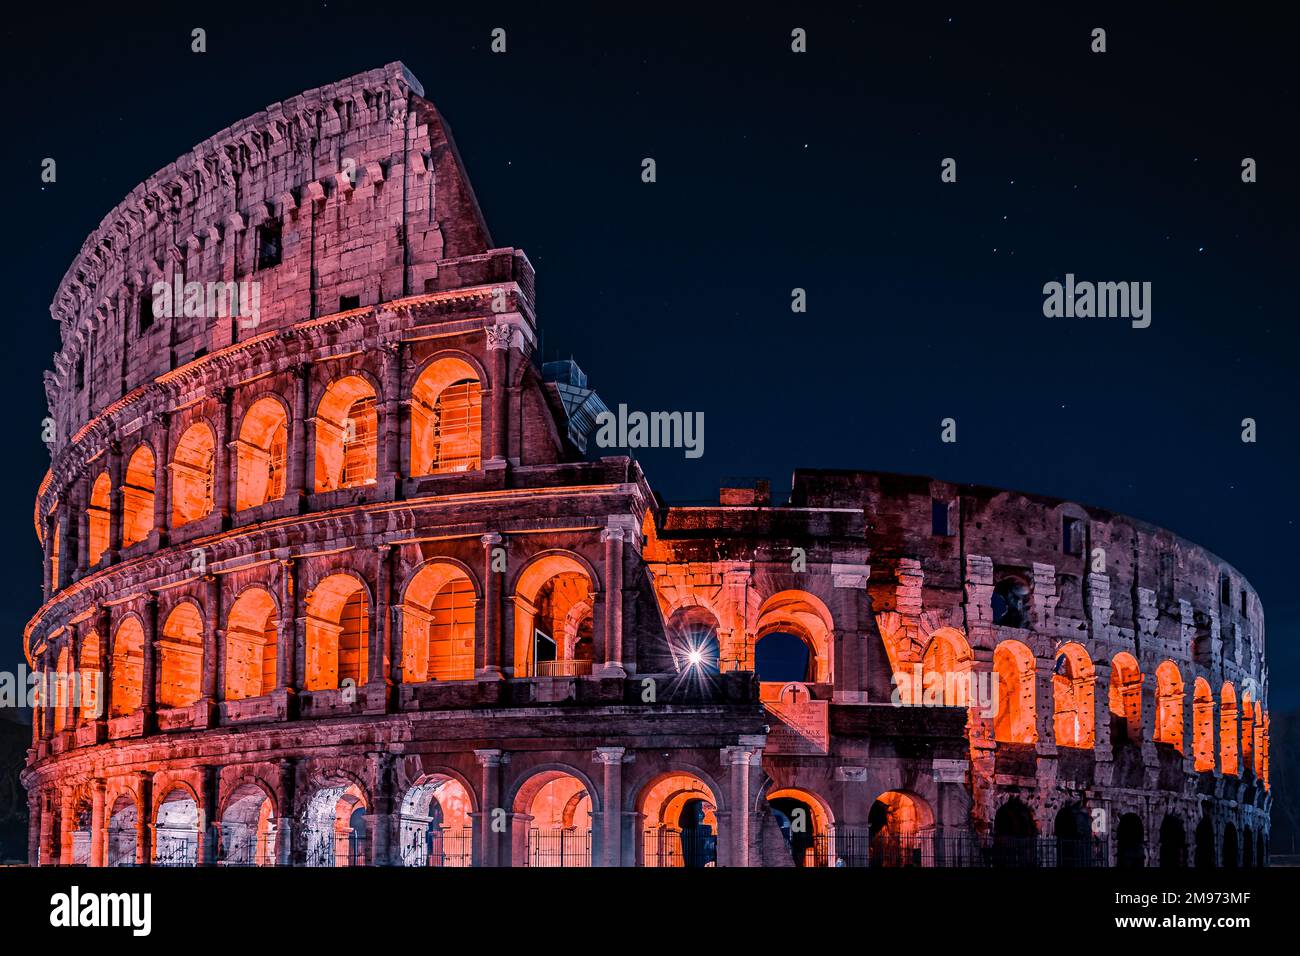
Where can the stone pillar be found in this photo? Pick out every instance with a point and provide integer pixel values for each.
(48, 583)
(148, 679)
(611, 799)
(613, 663)
(384, 849)
(487, 842)
(498, 343)
(98, 830)
(213, 651)
(48, 698)
(83, 526)
(379, 687)
(67, 810)
(209, 821)
(116, 498)
(222, 486)
(68, 699)
(284, 799)
(390, 459)
(144, 819)
(285, 658)
(488, 657)
(298, 470)
(741, 761)
(161, 477)
(103, 624)
(65, 559)
(35, 823)
(45, 843)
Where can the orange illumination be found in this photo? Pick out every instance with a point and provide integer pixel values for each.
(260, 454)
(138, 497)
(1202, 726)
(1125, 695)
(1016, 717)
(346, 431)
(446, 418)
(57, 699)
(1228, 730)
(338, 625)
(90, 669)
(438, 625)
(98, 517)
(553, 597)
(128, 667)
(1074, 718)
(180, 657)
(251, 639)
(1169, 705)
(1247, 731)
(54, 558)
(949, 658)
(192, 475)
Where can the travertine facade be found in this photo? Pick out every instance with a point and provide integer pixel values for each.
(358, 597)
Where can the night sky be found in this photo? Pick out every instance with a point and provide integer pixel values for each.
(776, 171)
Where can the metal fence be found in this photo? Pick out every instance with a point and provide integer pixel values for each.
(858, 847)
(559, 847)
(441, 848)
(239, 847)
(689, 849)
(176, 851)
(337, 849)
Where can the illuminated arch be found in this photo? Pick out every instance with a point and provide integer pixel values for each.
(1228, 729)
(1247, 731)
(898, 822)
(693, 641)
(446, 418)
(252, 637)
(176, 828)
(335, 824)
(948, 657)
(192, 475)
(1016, 718)
(1259, 739)
(90, 675)
(1202, 726)
(248, 831)
(347, 428)
(138, 496)
(123, 829)
(338, 629)
(97, 517)
(804, 615)
(55, 551)
(555, 804)
(1169, 705)
(180, 656)
(1074, 716)
(679, 818)
(1124, 696)
(438, 607)
(128, 667)
(59, 691)
(261, 454)
(554, 596)
(435, 822)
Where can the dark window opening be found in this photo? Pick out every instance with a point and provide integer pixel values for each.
(349, 302)
(268, 244)
(782, 657)
(80, 373)
(1225, 590)
(1243, 601)
(146, 311)
(1011, 603)
(940, 517)
(1167, 578)
(1072, 536)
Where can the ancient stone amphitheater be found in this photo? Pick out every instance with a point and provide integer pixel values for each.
(336, 581)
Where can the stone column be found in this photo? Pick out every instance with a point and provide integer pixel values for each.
(83, 526)
(214, 652)
(161, 476)
(35, 824)
(613, 664)
(298, 470)
(222, 486)
(611, 798)
(48, 698)
(498, 343)
(48, 584)
(103, 624)
(68, 699)
(209, 821)
(487, 842)
(45, 844)
(384, 850)
(67, 809)
(740, 761)
(285, 658)
(284, 799)
(148, 680)
(116, 497)
(65, 560)
(488, 656)
(378, 689)
(98, 831)
(390, 463)
(144, 819)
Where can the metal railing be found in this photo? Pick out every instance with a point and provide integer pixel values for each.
(453, 848)
(858, 847)
(558, 847)
(337, 849)
(689, 849)
(176, 851)
(563, 668)
(242, 849)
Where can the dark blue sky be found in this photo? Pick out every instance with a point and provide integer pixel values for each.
(778, 170)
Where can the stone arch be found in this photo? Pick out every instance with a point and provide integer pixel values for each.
(806, 616)
(447, 415)
(948, 657)
(180, 655)
(1258, 747)
(1130, 842)
(1247, 755)
(1016, 717)
(1206, 844)
(192, 469)
(334, 821)
(338, 631)
(58, 700)
(435, 821)
(122, 823)
(138, 495)
(176, 826)
(252, 639)
(248, 830)
(1074, 716)
(1228, 729)
(438, 608)
(1173, 842)
(261, 452)
(1203, 726)
(127, 676)
(552, 807)
(1015, 835)
(97, 512)
(807, 823)
(1169, 705)
(347, 432)
(678, 812)
(1124, 697)
(898, 824)
(1231, 853)
(548, 586)
(694, 641)
(90, 675)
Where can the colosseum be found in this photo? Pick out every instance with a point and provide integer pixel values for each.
(332, 578)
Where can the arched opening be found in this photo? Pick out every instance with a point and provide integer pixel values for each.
(1228, 730)
(1230, 852)
(553, 619)
(81, 833)
(54, 556)
(806, 827)
(800, 614)
(128, 668)
(1075, 844)
(1074, 710)
(346, 435)
(138, 497)
(436, 827)
(180, 657)
(781, 657)
(192, 475)
(176, 830)
(679, 814)
(438, 625)
(554, 809)
(97, 517)
(1258, 747)
(252, 629)
(1010, 603)
(1202, 726)
(1130, 842)
(1015, 835)
(59, 693)
(1169, 706)
(1015, 720)
(898, 826)
(1261, 851)
(693, 643)
(1173, 842)
(946, 666)
(90, 676)
(261, 454)
(338, 627)
(335, 826)
(1205, 844)
(1125, 700)
(123, 824)
(1247, 848)
(446, 419)
(1247, 732)
(248, 828)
